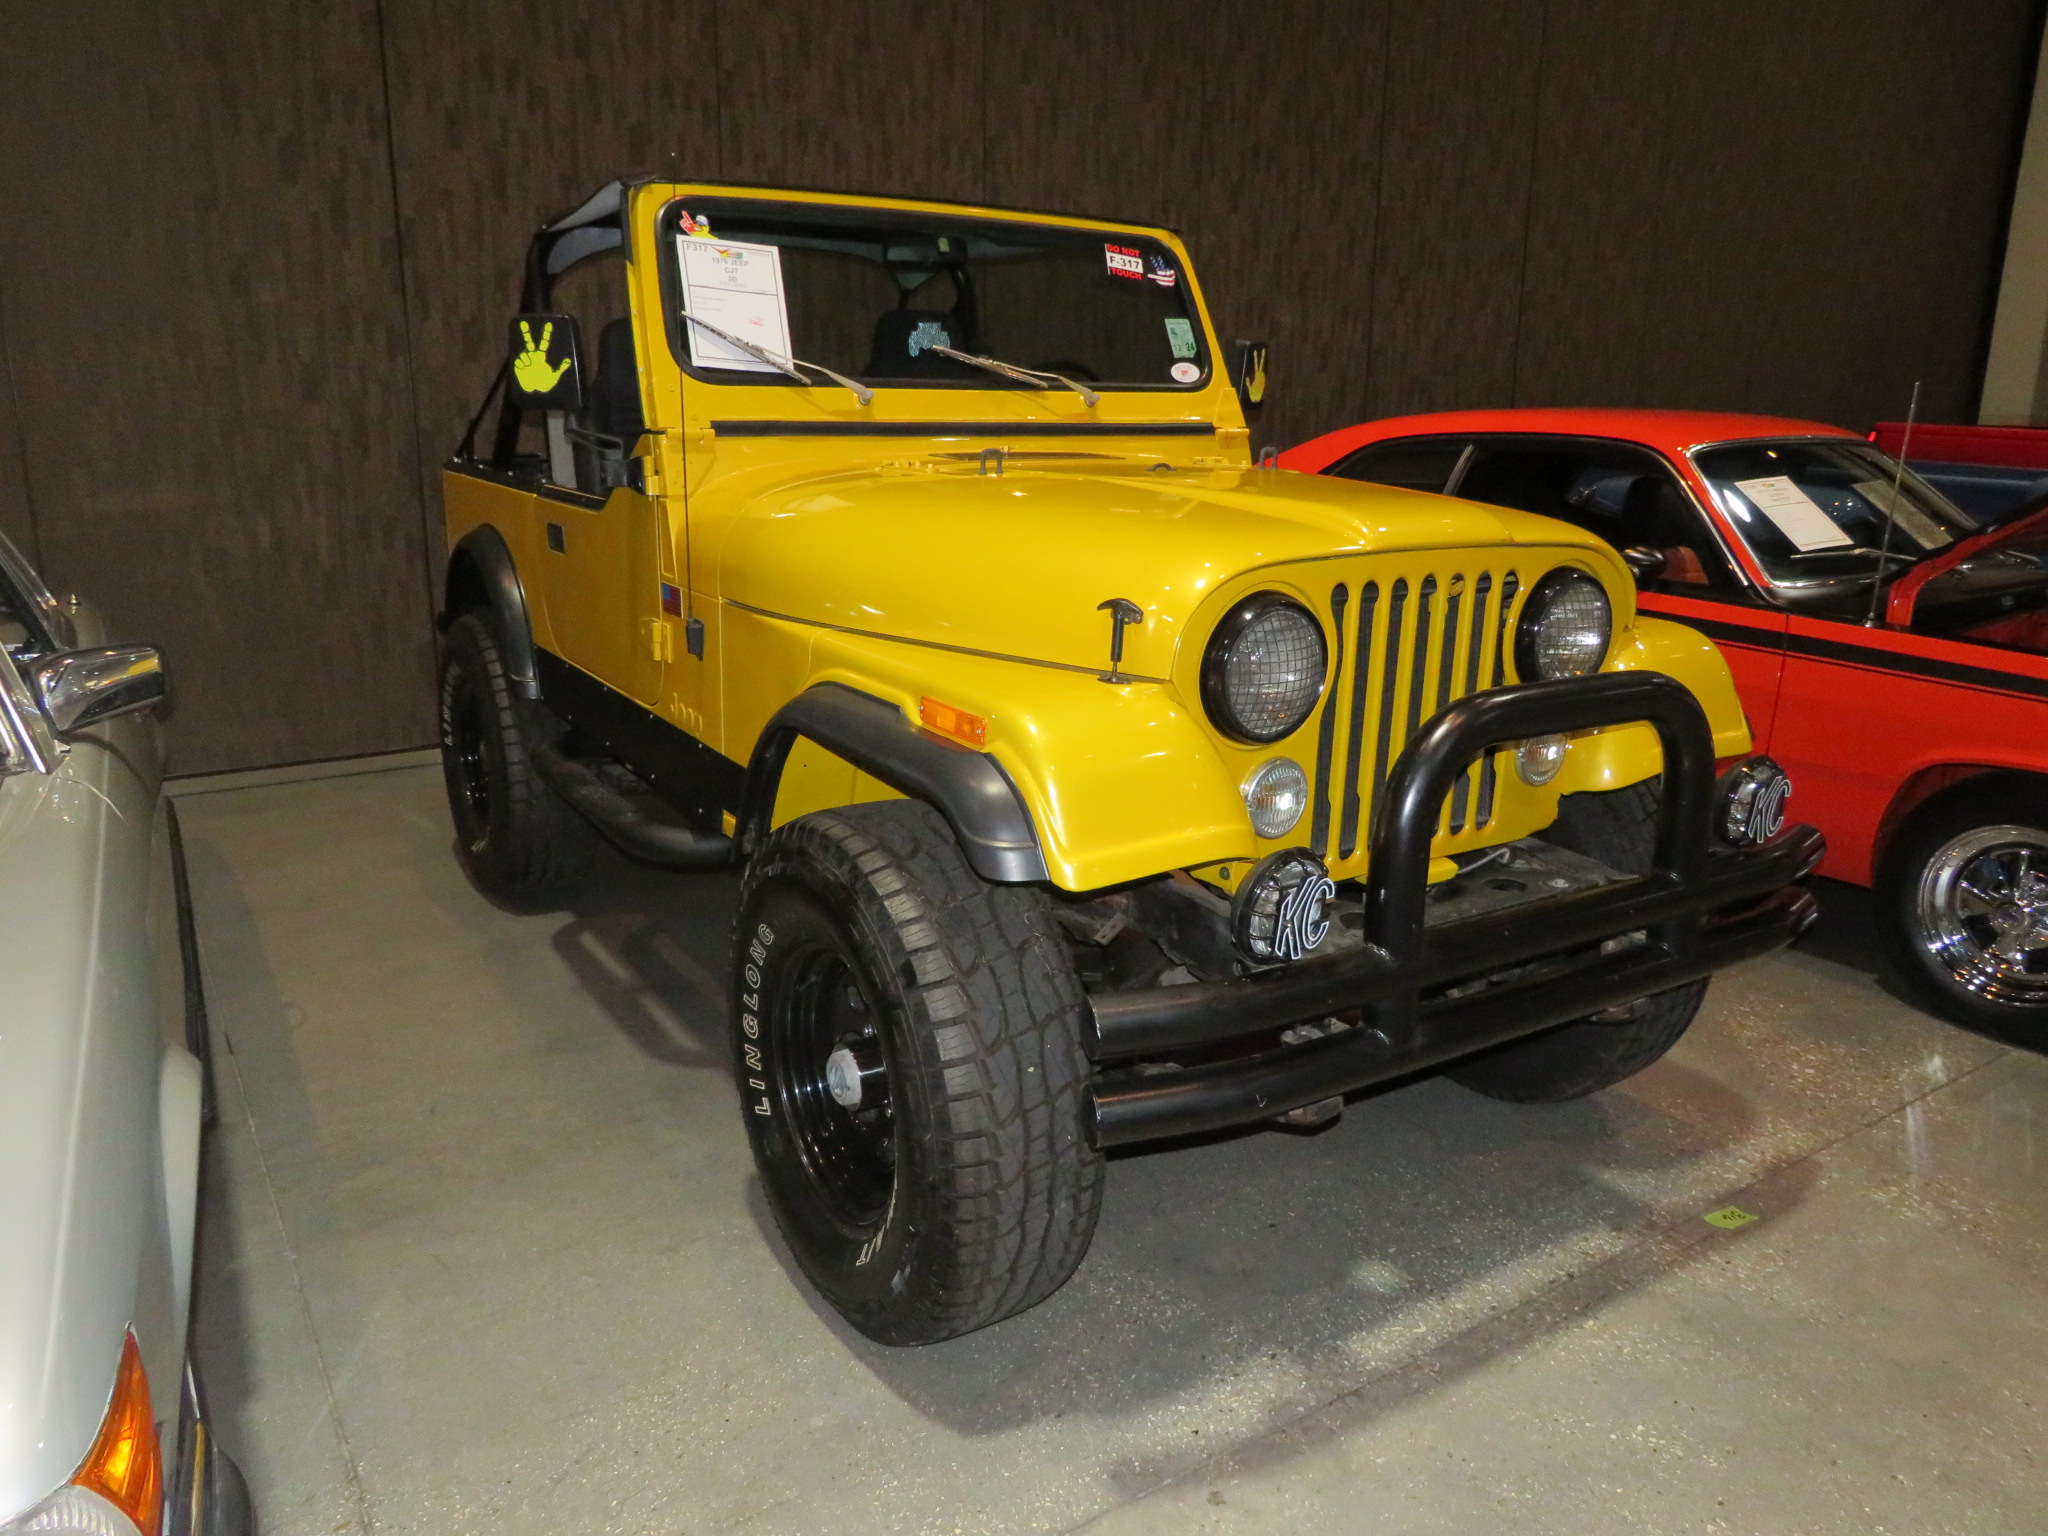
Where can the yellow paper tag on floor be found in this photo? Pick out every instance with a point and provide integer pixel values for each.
(1729, 1217)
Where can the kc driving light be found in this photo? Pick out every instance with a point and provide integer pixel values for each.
(1263, 671)
(1753, 796)
(1566, 625)
(1276, 794)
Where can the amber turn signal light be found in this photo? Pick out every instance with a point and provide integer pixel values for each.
(125, 1464)
(945, 720)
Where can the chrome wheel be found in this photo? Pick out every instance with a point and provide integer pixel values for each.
(1982, 912)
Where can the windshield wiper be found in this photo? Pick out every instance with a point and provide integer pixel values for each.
(1035, 377)
(788, 365)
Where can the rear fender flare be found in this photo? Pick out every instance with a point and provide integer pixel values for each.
(483, 574)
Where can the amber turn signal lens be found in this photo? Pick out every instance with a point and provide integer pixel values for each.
(125, 1464)
(945, 720)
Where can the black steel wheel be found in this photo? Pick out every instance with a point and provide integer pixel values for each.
(1963, 898)
(1619, 828)
(906, 1038)
(519, 842)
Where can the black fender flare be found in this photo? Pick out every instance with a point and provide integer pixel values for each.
(969, 788)
(481, 567)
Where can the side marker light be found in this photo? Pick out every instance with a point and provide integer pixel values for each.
(949, 721)
(125, 1465)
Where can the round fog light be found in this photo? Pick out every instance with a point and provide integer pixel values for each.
(1276, 794)
(1282, 908)
(1538, 759)
(1753, 796)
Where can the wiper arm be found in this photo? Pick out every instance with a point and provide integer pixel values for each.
(788, 365)
(1035, 377)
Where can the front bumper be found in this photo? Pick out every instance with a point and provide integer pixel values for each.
(1698, 909)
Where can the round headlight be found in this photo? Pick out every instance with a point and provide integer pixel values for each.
(1565, 627)
(1263, 671)
(1276, 794)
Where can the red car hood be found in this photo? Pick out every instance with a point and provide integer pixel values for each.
(1905, 593)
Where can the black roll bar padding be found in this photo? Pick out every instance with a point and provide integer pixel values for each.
(484, 550)
(969, 788)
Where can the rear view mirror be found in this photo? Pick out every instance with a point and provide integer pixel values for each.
(543, 373)
(79, 689)
(1644, 564)
(1248, 373)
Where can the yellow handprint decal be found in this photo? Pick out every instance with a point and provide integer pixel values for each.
(531, 369)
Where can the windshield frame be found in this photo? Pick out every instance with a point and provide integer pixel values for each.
(940, 220)
(1800, 590)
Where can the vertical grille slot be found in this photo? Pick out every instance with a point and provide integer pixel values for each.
(1326, 728)
(1361, 689)
(1491, 766)
(1390, 679)
(1475, 644)
(1425, 601)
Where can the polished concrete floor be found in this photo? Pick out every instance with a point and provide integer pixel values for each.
(483, 1251)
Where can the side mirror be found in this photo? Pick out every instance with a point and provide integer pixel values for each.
(79, 689)
(543, 373)
(1644, 563)
(1248, 373)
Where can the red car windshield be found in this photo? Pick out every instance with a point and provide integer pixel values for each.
(1815, 510)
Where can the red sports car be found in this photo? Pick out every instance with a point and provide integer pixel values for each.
(1891, 653)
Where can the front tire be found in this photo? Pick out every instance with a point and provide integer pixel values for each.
(520, 843)
(1619, 828)
(1963, 899)
(906, 1037)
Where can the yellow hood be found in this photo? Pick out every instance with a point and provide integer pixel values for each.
(1017, 564)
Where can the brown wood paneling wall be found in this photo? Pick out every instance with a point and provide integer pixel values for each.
(1456, 155)
(505, 113)
(260, 256)
(201, 279)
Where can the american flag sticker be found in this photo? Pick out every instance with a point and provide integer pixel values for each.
(1124, 262)
(1162, 274)
(671, 599)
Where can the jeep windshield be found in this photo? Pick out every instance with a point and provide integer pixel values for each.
(874, 293)
(1813, 512)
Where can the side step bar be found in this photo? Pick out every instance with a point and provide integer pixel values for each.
(625, 825)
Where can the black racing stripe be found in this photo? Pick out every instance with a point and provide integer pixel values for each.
(963, 429)
(1883, 660)
(1717, 629)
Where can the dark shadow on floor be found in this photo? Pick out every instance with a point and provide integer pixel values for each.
(1847, 934)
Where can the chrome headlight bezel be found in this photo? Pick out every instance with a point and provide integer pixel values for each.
(1229, 646)
(1545, 610)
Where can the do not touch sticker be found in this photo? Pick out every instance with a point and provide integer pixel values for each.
(1124, 262)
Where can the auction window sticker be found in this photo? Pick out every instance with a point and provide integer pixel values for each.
(738, 288)
(1798, 516)
(1124, 261)
(1908, 518)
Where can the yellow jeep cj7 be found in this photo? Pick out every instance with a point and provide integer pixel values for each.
(1089, 783)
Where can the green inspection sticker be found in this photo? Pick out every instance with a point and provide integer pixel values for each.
(1728, 1218)
(1180, 335)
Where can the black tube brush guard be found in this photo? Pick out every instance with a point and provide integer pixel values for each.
(1701, 908)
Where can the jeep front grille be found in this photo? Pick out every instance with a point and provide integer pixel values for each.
(1403, 649)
